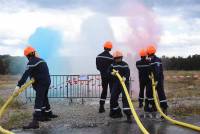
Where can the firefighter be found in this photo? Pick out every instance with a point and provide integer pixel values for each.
(157, 69)
(124, 71)
(142, 66)
(37, 69)
(103, 61)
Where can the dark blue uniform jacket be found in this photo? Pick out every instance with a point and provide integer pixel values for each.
(143, 67)
(123, 69)
(157, 68)
(103, 61)
(36, 68)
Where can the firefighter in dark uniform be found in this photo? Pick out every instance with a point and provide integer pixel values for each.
(143, 67)
(124, 71)
(157, 69)
(37, 69)
(103, 61)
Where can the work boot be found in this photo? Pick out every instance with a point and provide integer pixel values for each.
(129, 119)
(40, 116)
(101, 109)
(116, 114)
(148, 115)
(32, 125)
(53, 116)
(156, 115)
(147, 111)
(44, 118)
(50, 115)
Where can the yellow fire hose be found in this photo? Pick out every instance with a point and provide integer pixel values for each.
(197, 128)
(142, 128)
(9, 102)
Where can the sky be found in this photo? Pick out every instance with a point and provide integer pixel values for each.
(71, 26)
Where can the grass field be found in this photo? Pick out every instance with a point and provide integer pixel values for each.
(181, 84)
(182, 90)
(18, 113)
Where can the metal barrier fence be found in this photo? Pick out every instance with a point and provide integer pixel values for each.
(72, 86)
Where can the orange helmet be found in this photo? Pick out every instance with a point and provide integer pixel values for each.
(143, 53)
(151, 49)
(108, 45)
(28, 50)
(117, 54)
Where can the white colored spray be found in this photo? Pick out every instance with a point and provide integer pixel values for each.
(144, 31)
(96, 29)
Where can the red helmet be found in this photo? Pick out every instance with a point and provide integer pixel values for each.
(108, 45)
(28, 50)
(117, 54)
(143, 53)
(151, 49)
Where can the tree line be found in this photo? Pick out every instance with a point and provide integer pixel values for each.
(12, 64)
(15, 64)
(180, 63)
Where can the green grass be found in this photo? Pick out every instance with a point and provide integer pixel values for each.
(17, 105)
(15, 116)
(16, 119)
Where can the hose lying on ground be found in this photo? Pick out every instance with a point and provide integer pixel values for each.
(197, 128)
(142, 128)
(9, 102)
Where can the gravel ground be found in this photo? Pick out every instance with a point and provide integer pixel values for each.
(81, 115)
(78, 115)
(79, 118)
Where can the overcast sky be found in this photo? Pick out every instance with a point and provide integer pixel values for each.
(178, 23)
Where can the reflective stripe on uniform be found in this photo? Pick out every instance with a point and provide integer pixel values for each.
(48, 110)
(120, 66)
(38, 110)
(163, 101)
(116, 108)
(159, 63)
(35, 64)
(102, 99)
(150, 98)
(141, 98)
(143, 66)
(126, 108)
(105, 57)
